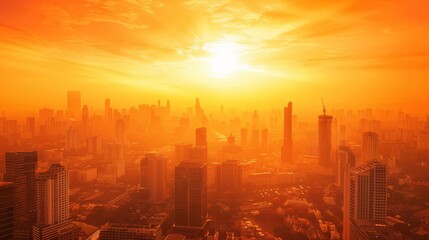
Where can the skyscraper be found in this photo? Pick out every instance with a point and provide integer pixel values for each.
(190, 198)
(153, 175)
(107, 111)
(73, 104)
(228, 177)
(6, 210)
(201, 136)
(52, 205)
(20, 169)
(264, 139)
(365, 195)
(286, 153)
(369, 146)
(345, 160)
(325, 141)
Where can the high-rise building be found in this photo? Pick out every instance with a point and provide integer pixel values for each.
(190, 198)
(325, 140)
(52, 205)
(286, 153)
(369, 146)
(107, 111)
(114, 153)
(120, 131)
(365, 195)
(153, 175)
(73, 104)
(72, 139)
(228, 178)
(345, 160)
(6, 210)
(201, 137)
(198, 154)
(20, 169)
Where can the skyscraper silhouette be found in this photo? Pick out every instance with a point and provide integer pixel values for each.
(325, 141)
(345, 160)
(190, 199)
(286, 152)
(153, 175)
(73, 104)
(20, 169)
(369, 146)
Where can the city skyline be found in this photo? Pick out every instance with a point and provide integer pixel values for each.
(214, 120)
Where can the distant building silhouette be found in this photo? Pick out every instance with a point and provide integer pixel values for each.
(73, 104)
(228, 178)
(325, 139)
(153, 175)
(286, 151)
(369, 146)
(345, 160)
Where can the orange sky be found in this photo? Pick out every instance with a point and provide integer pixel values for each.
(355, 53)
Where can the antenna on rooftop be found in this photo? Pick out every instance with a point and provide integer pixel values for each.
(324, 108)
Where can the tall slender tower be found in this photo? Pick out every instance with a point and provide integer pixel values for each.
(325, 139)
(52, 204)
(286, 153)
(365, 195)
(369, 146)
(20, 169)
(190, 199)
(153, 175)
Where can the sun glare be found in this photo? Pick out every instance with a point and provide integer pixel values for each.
(224, 58)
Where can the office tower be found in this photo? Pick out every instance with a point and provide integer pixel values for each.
(228, 178)
(190, 198)
(93, 145)
(52, 205)
(73, 104)
(345, 160)
(20, 169)
(6, 210)
(114, 153)
(122, 231)
(108, 112)
(243, 137)
(325, 141)
(72, 140)
(201, 136)
(286, 153)
(182, 153)
(365, 195)
(120, 131)
(369, 146)
(153, 175)
(264, 139)
(31, 126)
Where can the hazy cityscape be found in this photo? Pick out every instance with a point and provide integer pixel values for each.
(214, 120)
(148, 172)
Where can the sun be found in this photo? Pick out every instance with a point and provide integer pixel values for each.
(224, 58)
